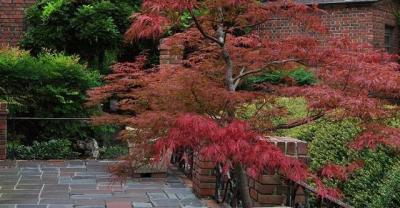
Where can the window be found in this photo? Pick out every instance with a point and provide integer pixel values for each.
(389, 40)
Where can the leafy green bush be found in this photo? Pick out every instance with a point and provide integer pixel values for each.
(300, 75)
(365, 187)
(303, 77)
(87, 28)
(113, 152)
(330, 142)
(388, 194)
(53, 149)
(274, 77)
(375, 185)
(50, 85)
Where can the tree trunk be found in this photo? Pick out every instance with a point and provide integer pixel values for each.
(240, 173)
(229, 70)
(243, 184)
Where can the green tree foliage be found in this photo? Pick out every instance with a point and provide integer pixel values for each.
(50, 85)
(376, 184)
(91, 29)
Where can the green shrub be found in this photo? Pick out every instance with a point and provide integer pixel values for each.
(274, 77)
(329, 144)
(50, 85)
(369, 186)
(113, 152)
(388, 194)
(303, 77)
(300, 75)
(53, 149)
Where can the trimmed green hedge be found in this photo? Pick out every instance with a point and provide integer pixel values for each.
(50, 85)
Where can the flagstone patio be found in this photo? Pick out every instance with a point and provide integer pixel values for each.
(86, 184)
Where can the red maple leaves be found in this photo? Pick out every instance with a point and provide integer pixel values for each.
(229, 41)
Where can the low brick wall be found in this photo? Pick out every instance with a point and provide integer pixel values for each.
(268, 189)
(170, 55)
(3, 131)
(203, 177)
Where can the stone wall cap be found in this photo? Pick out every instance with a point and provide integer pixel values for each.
(283, 139)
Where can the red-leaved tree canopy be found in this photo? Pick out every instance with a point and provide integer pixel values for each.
(196, 104)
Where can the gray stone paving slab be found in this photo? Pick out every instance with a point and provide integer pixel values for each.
(142, 205)
(166, 202)
(159, 195)
(8, 205)
(29, 187)
(85, 184)
(186, 196)
(60, 206)
(31, 206)
(191, 202)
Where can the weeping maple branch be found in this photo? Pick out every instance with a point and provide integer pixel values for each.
(201, 30)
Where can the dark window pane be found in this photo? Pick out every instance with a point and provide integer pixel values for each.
(389, 40)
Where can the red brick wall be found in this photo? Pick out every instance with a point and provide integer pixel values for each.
(3, 130)
(203, 177)
(170, 55)
(12, 21)
(363, 23)
(383, 15)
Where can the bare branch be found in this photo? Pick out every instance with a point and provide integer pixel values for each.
(200, 28)
(237, 81)
(241, 75)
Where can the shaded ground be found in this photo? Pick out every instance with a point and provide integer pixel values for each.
(86, 184)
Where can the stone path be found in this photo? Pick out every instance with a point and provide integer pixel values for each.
(86, 184)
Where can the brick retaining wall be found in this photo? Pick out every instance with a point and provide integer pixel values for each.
(268, 189)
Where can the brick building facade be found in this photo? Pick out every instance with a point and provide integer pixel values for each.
(365, 21)
(12, 20)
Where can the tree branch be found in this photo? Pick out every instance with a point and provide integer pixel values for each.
(297, 122)
(237, 81)
(243, 74)
(200, 28)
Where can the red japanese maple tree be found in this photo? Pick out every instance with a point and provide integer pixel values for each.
(196, 104)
